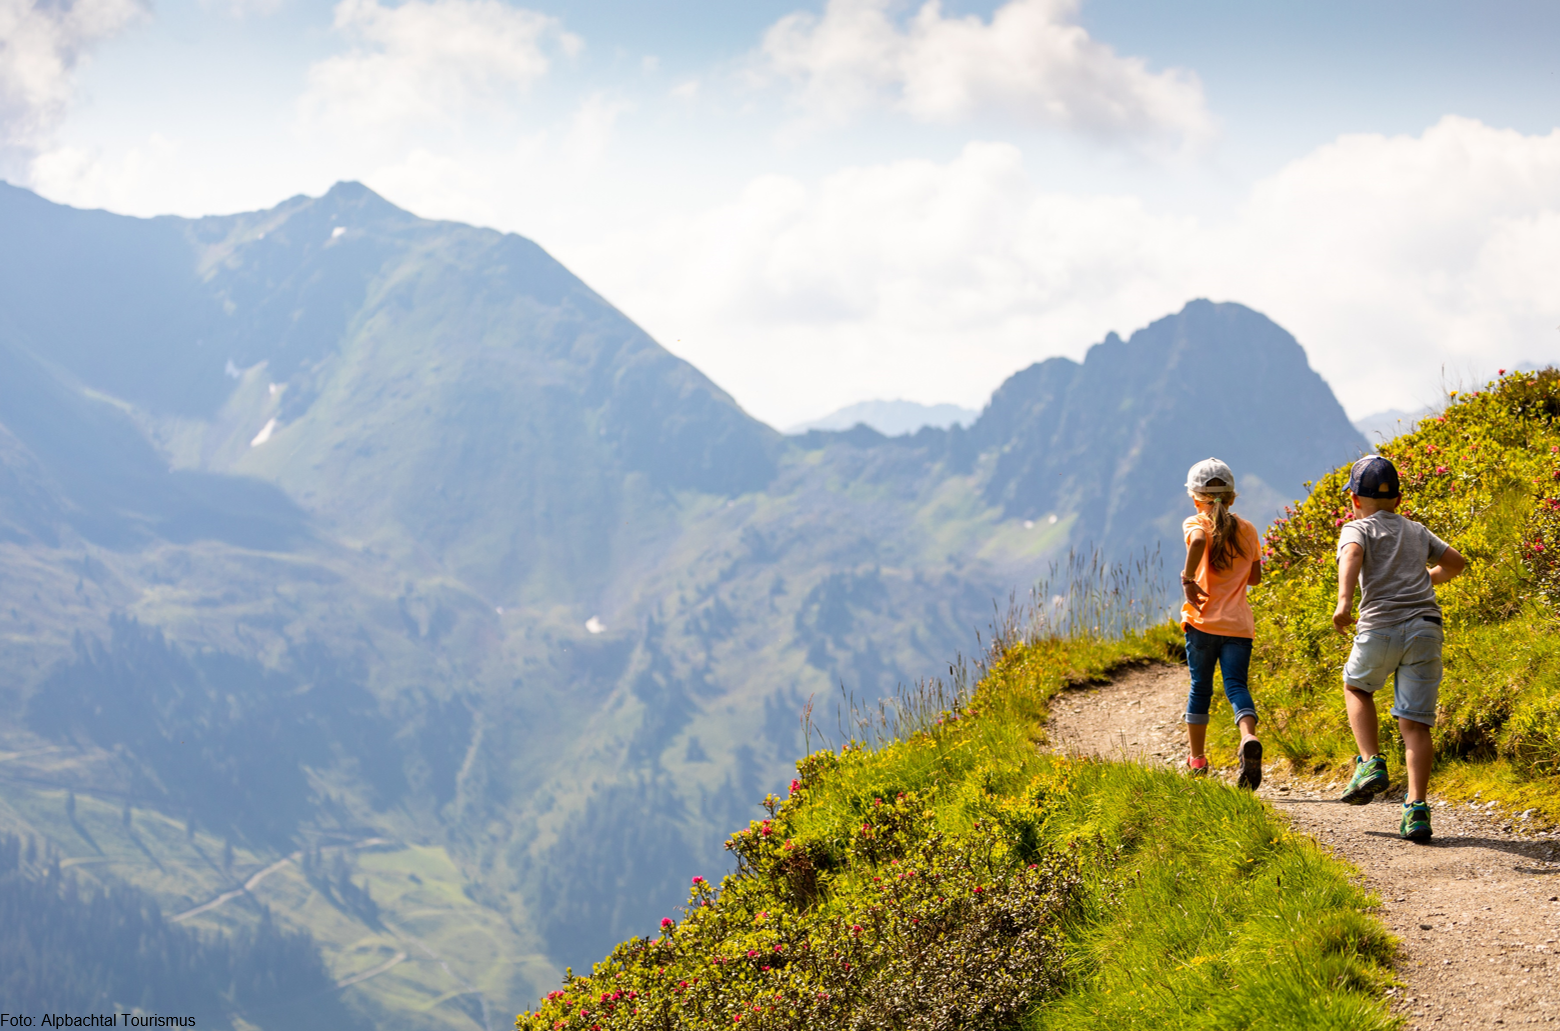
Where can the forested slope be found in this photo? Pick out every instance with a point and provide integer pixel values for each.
(95, 949)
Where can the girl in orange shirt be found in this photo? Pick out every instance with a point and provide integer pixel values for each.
(1223, 558)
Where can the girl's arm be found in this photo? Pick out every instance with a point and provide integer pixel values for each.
(1256, 574)
(1196, 545)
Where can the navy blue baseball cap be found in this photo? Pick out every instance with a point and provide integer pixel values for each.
(1373, 477)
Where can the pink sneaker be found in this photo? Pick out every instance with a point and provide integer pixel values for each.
(1197, 765)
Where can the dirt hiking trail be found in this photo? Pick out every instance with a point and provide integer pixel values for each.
(1477, 908)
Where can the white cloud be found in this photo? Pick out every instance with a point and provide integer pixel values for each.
(247, 8)
(425, 103)
(1386, 256)
(915, 279)
(429, 62)
(590, 130)
(1425, 203)
(41, 46)
(1031, 60)
(119, 182)
(1394, 255)
(530, 179)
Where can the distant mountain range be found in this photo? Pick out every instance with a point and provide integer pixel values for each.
(1394, 422)
(1383, 426)
(891, 418)
(381, 566)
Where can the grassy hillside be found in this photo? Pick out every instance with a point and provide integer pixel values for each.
(957, 876)
(1485, 476)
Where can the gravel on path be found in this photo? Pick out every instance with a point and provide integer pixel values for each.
(1477, 907)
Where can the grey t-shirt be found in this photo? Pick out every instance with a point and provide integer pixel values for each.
(1394, 581)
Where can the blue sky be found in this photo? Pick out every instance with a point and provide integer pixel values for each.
(820, 203)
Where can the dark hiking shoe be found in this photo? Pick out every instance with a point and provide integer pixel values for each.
(1416, 822)
(1250, 765)
(1370, 778)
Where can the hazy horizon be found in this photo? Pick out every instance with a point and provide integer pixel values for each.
(818, 203)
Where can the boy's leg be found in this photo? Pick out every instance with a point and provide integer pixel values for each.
(1370, 767)
(1375, 654)
(1416, 742)
(1415, 825)
(1418, 688)
(1363, 720)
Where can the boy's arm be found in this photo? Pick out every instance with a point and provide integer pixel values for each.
(1452, 563)
(1350, 558)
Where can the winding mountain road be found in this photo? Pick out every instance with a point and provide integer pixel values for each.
(255, 878)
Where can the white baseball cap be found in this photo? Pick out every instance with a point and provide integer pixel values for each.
(1210, 469)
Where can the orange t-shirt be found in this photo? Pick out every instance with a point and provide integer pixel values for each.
(1225, 610)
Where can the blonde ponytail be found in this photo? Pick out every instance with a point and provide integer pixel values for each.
(1224, 544)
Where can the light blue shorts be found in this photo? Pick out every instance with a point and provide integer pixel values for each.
(1412, 650)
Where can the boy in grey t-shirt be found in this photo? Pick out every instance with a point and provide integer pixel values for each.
(1399, 633)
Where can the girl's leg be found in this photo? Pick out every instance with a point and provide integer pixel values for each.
(1235, 664)
(1201, 654)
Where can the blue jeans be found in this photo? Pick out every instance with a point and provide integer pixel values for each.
(1233, 656)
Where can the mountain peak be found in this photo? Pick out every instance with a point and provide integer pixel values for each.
(350, 189)
(891, 418)
(353, 199)
(1110, 439)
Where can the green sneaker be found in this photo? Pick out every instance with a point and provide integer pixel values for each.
(1370, 776)
(1416, 822)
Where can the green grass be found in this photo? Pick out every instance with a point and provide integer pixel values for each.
(1484, 476)
(1213, 915)
(958, 876)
